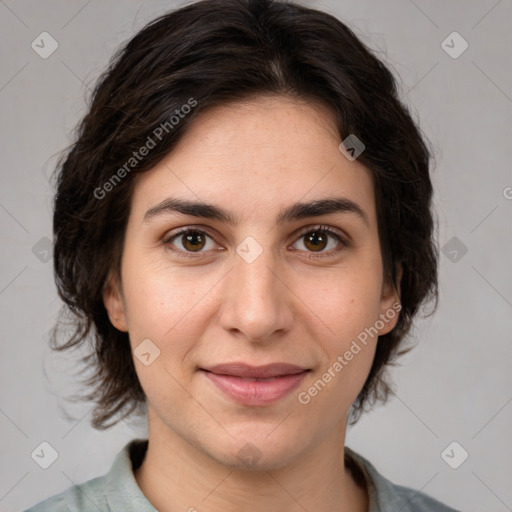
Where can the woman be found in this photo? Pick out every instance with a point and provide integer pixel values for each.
(244, 228)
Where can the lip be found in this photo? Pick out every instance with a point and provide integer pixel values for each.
(238, 381)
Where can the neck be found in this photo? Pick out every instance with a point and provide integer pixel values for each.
(178, 476)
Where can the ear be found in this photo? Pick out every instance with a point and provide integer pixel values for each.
(390, 305)
(114, 303)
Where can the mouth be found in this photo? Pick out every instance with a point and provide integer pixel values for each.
(255, 385)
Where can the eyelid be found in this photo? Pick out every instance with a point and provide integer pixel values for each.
(345, 238)
(186, 229)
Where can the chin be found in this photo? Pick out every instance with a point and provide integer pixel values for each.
(256, 453)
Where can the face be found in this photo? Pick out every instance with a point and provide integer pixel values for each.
(253, 280)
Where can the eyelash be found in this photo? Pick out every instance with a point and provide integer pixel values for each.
(320, 229)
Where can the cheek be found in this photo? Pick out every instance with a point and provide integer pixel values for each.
(347, 301)
(164, 303)
(347, 352)
(163, 309)
(349, 305)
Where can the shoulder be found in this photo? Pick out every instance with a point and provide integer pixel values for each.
(416, 501)
(385, 496)
(117, 490)
(89, 496)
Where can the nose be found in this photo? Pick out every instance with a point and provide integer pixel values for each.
(257, 303)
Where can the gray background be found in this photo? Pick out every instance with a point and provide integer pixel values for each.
(456, 385)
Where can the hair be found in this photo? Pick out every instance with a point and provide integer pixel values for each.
(212, 53)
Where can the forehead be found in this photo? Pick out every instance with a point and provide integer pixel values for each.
(256, 156)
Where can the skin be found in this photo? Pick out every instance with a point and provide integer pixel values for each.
(252, 158)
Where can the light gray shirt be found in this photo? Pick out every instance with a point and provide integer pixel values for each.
(117, 491)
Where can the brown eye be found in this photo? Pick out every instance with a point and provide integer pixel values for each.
(316, 241)
(189, 241)
(193, 241)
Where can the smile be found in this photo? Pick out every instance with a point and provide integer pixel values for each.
(255, 386)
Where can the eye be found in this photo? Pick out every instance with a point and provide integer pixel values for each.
(191, 241)
(316, 239)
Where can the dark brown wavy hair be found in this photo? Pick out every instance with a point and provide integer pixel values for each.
(217, 52)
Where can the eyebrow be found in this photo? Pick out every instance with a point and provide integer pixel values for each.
(292, 213)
